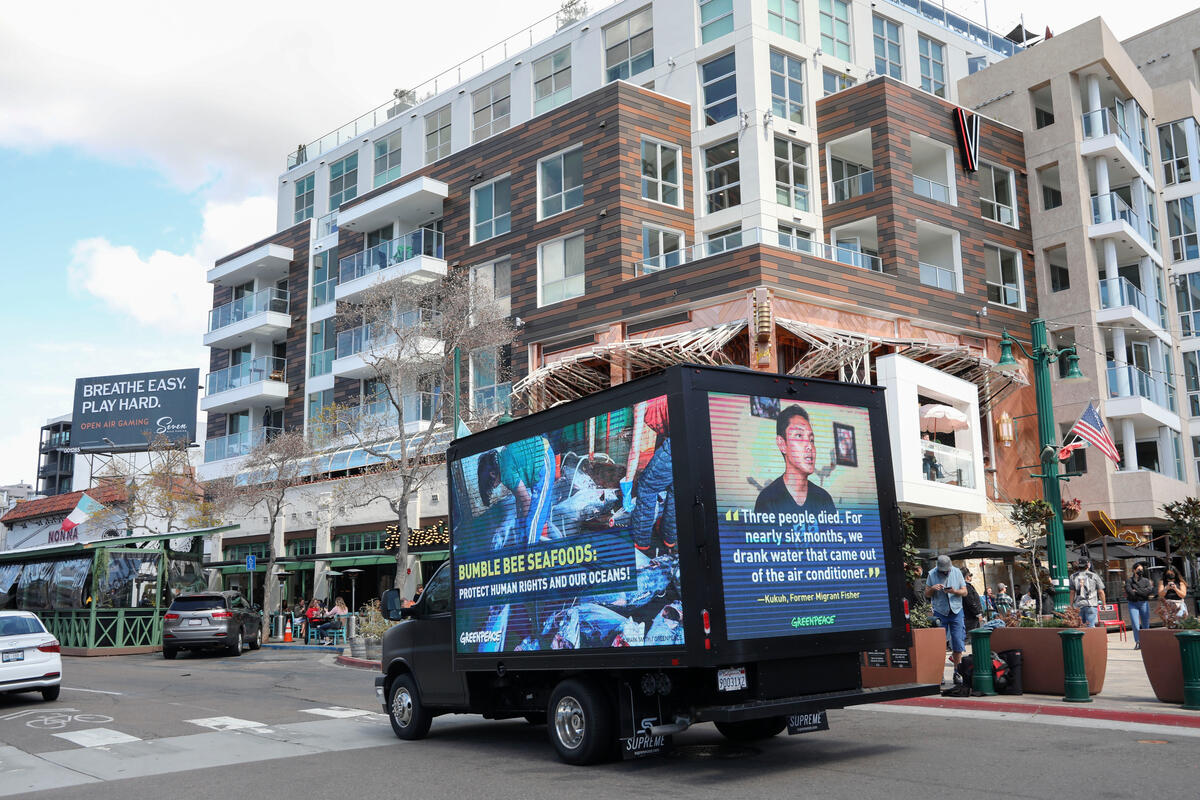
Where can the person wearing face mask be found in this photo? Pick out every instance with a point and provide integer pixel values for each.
(1138, 591)
(1172, 589)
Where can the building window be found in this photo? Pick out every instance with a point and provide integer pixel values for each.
(783, 17)
(325, 277)
(490, 109)
(437, 135)
(1048, 180)
(887, 47)
(560, 182)
(794, 237)
(489, 394)
(849, 179)
(1191, 379)
(835, 28)
(491, 209)
(343, 181)
(832, 81)
(560, 270)
(1173, 149)
(660, 173)
(933, 65)
(493, 284)
(787, 87)
(1060, 278)
(317, 403)
(722, 176)
(1187, 299)
(387, 159)
(1077, 461)
(997, 191)
(1003, 271)
(791, 173)
(661, 248)
(304, 198)
(1043, 106)
(721, 240)
(719, 78)
(716, 19)
(552, 80)
(321, 347)
(1181, 228)
(629, 46)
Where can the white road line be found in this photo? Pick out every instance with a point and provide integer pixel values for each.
(336, 711)
(1091, 723)
(93, 691)
(226, 723)
(97, 737)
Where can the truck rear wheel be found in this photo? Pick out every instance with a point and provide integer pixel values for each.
(751, 730)
(408, 715)
(579, 719)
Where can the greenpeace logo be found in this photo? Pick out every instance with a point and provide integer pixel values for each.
(478, 637)
(814, 621)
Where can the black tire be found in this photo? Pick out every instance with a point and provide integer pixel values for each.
(579, 721)
(50, 693)
(537, 718)
(751, 730)
(169, 653)
(408, 715)
(256, 642)
(235, 645)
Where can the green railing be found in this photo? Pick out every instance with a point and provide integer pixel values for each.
(109, 627)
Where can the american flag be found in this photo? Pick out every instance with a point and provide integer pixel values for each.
(1090, 428)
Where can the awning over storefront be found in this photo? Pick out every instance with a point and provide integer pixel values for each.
(576, 375)
(847, 354)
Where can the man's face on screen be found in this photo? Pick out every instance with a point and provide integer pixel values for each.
(798, 446)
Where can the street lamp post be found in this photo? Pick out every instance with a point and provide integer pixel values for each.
(1042, 355)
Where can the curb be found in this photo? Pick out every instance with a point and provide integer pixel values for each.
(1145, 717)
(313, 647)
(359, 663)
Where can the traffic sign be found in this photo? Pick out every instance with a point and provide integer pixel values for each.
(250, 563)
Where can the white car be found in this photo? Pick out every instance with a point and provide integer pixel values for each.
(30, 659)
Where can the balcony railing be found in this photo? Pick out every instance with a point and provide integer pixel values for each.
(260, 369)
(1140, 384)
(422, 241)
(1185, 247)
(493, 399)
(1117, 292)
(754, 236)
(321, 363)
(936, 11)
(323, 292)
(236, 445)
(853, 186)
(365, 338)
(1110, 207)
(997, 212)
(327, 225)
(381, 416)
(932, 189)
(1102, 122)
(938, 276)
(247, 306)
(950, 465)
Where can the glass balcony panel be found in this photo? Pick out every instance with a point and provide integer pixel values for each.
(853, 186)
(247, 306)
(260, 369)
(1117, 292)
(236, 445)
(931, 189)
(950, 465)
(421, 242)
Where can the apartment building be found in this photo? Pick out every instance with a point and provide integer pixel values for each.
(56, 466)
(1110, 141)
(778, 185)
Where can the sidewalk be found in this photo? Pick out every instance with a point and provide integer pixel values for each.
(340, 650)
(1127, 696)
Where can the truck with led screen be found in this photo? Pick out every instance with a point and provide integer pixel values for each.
(702, 544)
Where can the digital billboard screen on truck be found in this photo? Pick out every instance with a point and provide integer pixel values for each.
(567, 539)
(798, 517)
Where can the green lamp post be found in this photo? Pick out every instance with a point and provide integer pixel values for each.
(1042, 355)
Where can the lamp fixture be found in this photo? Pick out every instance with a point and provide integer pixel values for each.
(1006, 364)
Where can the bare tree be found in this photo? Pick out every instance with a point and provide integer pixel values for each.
(270, 469)
(161, 496)
(408, 338)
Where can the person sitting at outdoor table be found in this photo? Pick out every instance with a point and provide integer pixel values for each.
(334, 620)
(1029, 603)
(1004, 601)
(312, 615)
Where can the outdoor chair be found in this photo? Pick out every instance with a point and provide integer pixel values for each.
(1110, 617)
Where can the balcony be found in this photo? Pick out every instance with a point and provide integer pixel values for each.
(380, 419)
(934, 190)
(1104, 136)
(324, 292)
(326, 225)
(268, 261)
(1112, 217)
(853, 186)
(417, 256)
(412, 202)
(755, 236)
(321, 363)
(492, 400)
(236, 445)
(1122, 302)
(261, 316)
(360, 349)
(948, 465)
(263, 379)
(1135, 393)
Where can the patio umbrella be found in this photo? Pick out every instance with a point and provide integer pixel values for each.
(939, 418)
(989, 551)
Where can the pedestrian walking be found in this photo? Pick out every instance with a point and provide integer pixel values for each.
(1138, 591)
(1087, 593)
(946, 588)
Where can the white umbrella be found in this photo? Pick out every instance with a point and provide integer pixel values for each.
(939, 418)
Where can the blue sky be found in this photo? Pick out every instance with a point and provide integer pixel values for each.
(137, 147)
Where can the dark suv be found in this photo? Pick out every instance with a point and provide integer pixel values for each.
(211, 620)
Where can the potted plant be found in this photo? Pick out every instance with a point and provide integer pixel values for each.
(1160, 648)
(371, 627)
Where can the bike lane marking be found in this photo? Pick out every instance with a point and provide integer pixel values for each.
(96, 737)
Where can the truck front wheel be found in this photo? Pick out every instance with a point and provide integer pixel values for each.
(751, 730)
(408, 715)
(579, 719)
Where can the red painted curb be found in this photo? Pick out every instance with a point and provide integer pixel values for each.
(360, 663)
(1145, 717)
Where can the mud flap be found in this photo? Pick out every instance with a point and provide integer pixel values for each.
(639, 712)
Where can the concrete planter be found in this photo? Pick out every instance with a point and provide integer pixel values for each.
(1163, 663)
(927, 657)
(1042, 659)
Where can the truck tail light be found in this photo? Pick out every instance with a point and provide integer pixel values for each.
(707, 622)
(171, 616)
(50, 647)
(222, 615)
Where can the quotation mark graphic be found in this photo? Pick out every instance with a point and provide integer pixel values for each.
(731, 516)
(874, 572)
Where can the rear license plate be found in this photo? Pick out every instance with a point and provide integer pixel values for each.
(13, 655)
(195, 622)
(807, 723)
(730, 680)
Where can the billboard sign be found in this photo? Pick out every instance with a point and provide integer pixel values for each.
(130, 411)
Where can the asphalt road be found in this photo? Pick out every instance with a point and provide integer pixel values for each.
(294, 725)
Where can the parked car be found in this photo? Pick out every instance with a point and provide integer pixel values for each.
(207, 620)
(30, 657)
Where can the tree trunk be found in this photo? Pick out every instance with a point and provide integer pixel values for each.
(270, 585)
(402, 550)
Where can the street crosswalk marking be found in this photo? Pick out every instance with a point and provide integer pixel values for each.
(226, 723)
(338, 712)
(96, 737)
